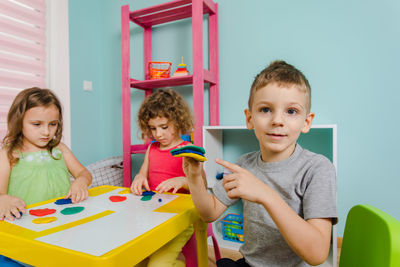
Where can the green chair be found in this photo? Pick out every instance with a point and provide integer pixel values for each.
(371, 239)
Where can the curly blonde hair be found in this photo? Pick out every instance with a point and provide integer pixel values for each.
(169, 104)
(25, 100)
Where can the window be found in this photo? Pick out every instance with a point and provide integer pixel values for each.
(22, 50)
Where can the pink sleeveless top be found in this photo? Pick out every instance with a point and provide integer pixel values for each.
(163, 166)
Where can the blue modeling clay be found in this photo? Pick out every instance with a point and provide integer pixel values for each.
(191, 147)
(17, 218)
(159, 200)
(186, 151)
(148, 193)
(63, 201)
(220, 176)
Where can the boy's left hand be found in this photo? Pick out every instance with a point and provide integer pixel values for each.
(78, 190)
(241, 183)
(175, 183)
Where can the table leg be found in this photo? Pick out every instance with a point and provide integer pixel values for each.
(200, 229)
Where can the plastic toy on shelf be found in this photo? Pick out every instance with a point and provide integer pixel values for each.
(232, 228)
(159, 70)
(181, 70)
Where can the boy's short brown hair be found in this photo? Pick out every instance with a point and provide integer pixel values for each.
(281, 73)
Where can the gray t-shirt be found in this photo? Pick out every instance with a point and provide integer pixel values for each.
(305, 180)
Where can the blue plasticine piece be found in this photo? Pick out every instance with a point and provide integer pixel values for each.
(147, 193)
(159, 200)
(191, 147)
(186, 151)
(220, 176)
(63, 201)
(186, 137)
(19, 217)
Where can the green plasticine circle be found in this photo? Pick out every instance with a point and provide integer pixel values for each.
(72, 210)
(146, 198)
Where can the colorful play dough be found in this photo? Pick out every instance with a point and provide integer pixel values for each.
(180, 151)
(148, 193)
(72, 210)
(63, 201)
(191, 155)
(41, 212)
(125, 191)
(146, 198)
(191, 151)
(191, 147)
(117, 198)
(44, 220)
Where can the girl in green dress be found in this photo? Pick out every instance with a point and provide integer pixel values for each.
(34, 165)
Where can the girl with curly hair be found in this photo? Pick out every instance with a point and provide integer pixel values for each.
(163, 117)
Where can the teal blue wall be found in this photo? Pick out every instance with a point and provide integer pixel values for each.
(349, 50)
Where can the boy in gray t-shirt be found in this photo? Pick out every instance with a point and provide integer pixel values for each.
(288, 193)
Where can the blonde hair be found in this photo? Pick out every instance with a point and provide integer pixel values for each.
(281, 73)
(169, 104)
(25, 100)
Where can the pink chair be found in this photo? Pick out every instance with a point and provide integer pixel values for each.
(190, 249)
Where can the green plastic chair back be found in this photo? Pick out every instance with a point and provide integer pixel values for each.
(371, 239)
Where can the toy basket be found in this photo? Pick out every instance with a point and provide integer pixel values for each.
(232, 228)
(159, 70)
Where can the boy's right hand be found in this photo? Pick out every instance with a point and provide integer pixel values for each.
(10, 207)
(243, 184)
(138, 183)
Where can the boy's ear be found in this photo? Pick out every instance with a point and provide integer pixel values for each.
(249, 122)
(308, 122)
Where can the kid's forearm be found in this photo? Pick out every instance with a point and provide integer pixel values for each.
(142, 172)
(309, 241)
(144, 169)
(206, 204)
(85, 176)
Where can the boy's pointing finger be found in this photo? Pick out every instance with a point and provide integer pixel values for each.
(230, 166)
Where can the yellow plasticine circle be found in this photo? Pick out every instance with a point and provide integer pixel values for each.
(44, 220)
(192, 155)
(125, 191)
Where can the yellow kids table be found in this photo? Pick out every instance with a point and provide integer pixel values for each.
(105, 233)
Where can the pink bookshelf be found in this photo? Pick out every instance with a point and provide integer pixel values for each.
(156, 15)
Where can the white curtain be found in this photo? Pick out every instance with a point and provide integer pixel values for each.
(22, 50)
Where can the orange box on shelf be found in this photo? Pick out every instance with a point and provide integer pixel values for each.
(159, 69)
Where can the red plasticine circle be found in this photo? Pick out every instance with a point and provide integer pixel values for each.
(41, 212)
(117, 198)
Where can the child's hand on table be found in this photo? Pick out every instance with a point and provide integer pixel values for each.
(242, 184)
(175, 183)
(11, 207)
(78, 191)
(138, 183)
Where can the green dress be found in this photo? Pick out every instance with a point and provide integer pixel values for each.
(38, 177)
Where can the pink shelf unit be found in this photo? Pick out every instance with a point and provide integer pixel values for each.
(159, 14)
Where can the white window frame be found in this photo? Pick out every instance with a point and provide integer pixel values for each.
(58, 75)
